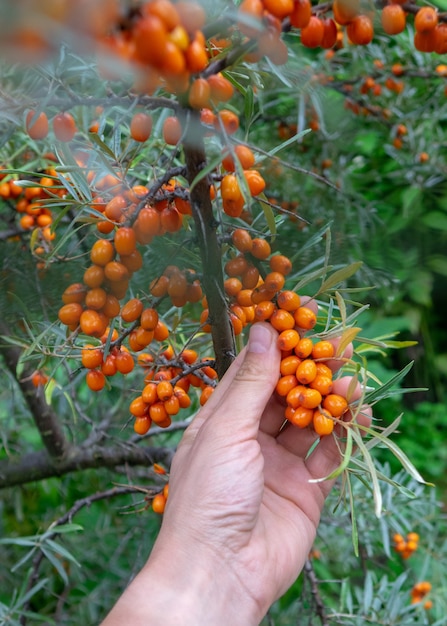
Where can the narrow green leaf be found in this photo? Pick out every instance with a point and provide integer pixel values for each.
(95, 138)
(347, 337)
(354, 527)
(342, 307)
(56, 563)
(49, 390)
(339, 276)
(288, 142)
(369, 462)
(382, 391)
(347, 453)
(58, 549)
(64, 528)
(268, 213)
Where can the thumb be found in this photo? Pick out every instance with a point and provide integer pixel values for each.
(243, 393)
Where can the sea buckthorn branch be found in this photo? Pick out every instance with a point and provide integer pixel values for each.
(37, 466)
(320, 609)
(45, 419)
(210, 251)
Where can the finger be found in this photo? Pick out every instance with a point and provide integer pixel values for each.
(337, 362)
(273, 417)
(243, 393)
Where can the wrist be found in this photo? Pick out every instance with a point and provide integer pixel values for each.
(184, 587)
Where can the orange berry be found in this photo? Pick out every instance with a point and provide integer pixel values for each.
(322, 423)
(115, 271)
(260, 248)
(159, 503)
(125, 240)
(36, 125)
(199, 94)
(141, 127)
(102, 252)
(95, 298)
(289, 365)
(164, 390)
(150, 38)
(285, 384)
(227, 120)
(310, 398)
(161, 331)
(64, 127)
(323, 350)
(393, 19)
(124, 362)
(274, 281)
(288, 300)
(158, 413)
(142, 425)
(280, 263)
(288, 339)
(361, 30)
(232, 198)
(91, 357)
(95, 380)
(304, 348)
(70, 314)
(255, 182)
(279, 8)
(293, 397)
(305, 318)
(206, 393)
(301, 14)
(138, 407)
(335, 404)
(300, 416)
(220, 87)
(282, 320)
(250, 277)
(74, 293)
(242, 240)
(323, 384)
(312, 34)
(345, 10)
(172, 131)
(426, 19)
(264, 310)
(243, 154)
(306, 371)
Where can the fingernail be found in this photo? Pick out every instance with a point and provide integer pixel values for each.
(260, 339)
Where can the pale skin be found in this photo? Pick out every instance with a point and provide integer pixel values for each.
(242, 515)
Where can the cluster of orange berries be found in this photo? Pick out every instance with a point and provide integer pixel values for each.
(418, 593)
(406, 546)
(29, 202)
(159, 500)
(305, 378)
(306, 383)
(166, 389)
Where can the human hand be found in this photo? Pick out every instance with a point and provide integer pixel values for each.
(241, 515)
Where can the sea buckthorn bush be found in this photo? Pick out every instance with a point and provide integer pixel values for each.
(173, 172)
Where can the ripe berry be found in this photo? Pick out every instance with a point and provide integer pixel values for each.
(288, 339)
(37, 125)
(322, 423)
(64, 126)
(141, 127)
(305, 318)
(306, 371)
